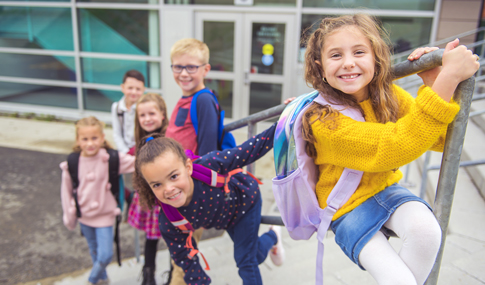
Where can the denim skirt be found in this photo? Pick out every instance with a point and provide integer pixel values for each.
(354, 229)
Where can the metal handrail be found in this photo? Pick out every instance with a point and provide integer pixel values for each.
(452, 150)
(440, 42)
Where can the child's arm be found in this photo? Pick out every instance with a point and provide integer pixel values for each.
(118, 138)
(458, 64)
(68, 205)
(242, 155)
(376, 147)
(127, 163)
(207, 116)
(176, 242)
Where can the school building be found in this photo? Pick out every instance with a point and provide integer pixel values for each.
(67, 57)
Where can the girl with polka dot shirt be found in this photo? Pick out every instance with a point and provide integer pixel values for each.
(163, 174)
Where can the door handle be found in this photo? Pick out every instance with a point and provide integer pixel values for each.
(246, 77)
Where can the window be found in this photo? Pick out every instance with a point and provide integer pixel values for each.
(37, 28)
(422, 5)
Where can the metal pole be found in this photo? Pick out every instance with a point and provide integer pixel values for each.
(424, 175)
(272, 220)
(406, 182)
(449, 167)
(251, 132)
(137, 246)
(254, 118)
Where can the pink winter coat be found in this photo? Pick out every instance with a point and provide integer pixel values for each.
(97, 203)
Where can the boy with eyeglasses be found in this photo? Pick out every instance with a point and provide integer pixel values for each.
(190, 64)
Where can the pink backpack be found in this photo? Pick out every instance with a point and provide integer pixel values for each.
(297, 174)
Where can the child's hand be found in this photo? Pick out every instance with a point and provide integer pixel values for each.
(429, 76)
(458, 64)
(459, 61)
(287, 101)
(417, 53)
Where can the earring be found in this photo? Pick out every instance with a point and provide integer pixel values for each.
(324, 80)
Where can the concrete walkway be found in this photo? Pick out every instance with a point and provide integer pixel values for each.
(463, 260)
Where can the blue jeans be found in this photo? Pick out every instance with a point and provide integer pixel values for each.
(354, 229)
(249, 250)
(100, 242)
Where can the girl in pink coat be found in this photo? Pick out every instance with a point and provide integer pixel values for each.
(96, 202)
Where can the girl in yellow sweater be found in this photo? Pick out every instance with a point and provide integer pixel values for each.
(348, 61)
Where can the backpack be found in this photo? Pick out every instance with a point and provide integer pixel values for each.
(297, 174)
(115, 180)
(209, 177)
(225, 139)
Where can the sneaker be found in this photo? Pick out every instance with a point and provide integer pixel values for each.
(100, 282)
(277, 253)
(103, 282)
(148, 276)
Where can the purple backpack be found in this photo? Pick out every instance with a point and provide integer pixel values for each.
(297, 175)
(209, 177)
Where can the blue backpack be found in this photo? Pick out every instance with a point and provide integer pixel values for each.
(297, 175)
(225, 139)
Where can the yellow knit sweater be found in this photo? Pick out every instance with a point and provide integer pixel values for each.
(377, 148)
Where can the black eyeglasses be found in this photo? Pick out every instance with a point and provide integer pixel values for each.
(189, 68)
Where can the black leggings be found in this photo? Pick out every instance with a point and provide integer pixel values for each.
(150, 252)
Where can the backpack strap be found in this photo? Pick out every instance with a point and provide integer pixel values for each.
(73, 168)
(212, 177)
(114, 180)
(225, 139)
(209, 177)
(193, 107)
(114, 174)
(121, 118)
(180, 222)
(340, 194)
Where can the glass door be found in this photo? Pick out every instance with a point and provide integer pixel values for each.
(251, 59)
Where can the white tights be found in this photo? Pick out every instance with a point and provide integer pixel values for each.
(416, 225)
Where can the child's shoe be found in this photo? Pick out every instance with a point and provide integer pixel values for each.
(103, 282)
(277, 253)
(148, 276)
(100, 282)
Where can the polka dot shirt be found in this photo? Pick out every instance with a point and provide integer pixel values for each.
(210, 207)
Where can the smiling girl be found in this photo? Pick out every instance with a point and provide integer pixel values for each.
(348, 62)
(97, 204)
(164, 175)
(150, 118)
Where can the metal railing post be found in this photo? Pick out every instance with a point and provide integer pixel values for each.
(450, 165)
(424, 175)
(137, 246)
(251, 132)
(251, 123)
